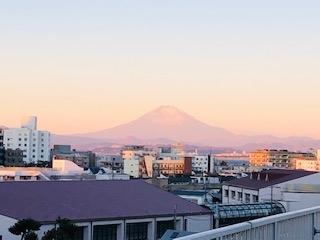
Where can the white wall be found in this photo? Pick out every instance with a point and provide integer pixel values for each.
(131, 167)
(236, 200)
(198, 223)
(5, 223)
(193, 224)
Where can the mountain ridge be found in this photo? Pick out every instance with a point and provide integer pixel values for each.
(172, 124)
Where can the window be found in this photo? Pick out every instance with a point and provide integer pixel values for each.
(163, 226)
(226, 193)
(255, 198)
(239, 196)
(247, 198)
(233, 194)
(105, 232)
(137, 231)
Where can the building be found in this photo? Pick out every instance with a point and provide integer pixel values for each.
(200, 197)
(308, 164)
(110, 210)
(294, 189)
(61, 170)
(1, 146)
(13, 158)
(84, 159)
(203, 164)
(275, 158)
(136, 160)
(170, 167)
(173, 152)
(35, 144)
(112, 162)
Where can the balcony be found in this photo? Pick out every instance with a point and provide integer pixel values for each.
(298, 225)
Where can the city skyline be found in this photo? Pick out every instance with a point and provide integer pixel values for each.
(249, 67)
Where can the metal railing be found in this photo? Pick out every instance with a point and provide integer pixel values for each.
(297, 225)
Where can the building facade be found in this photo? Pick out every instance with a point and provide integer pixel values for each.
(84, 159)
(35, 144)
(116, 210)
(2, 151)
(294, 189)
(275, 158)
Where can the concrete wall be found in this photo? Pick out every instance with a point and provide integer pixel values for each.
(192, 224)
(198, 223)
(236, 200)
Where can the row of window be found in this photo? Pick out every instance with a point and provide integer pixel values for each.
(134, 231)
(239, 196)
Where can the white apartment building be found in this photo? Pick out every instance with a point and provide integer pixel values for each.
(135, 160)
(203, 163)
(294, 189)
(35, 144)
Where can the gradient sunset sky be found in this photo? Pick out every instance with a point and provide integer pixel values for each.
(249, 66)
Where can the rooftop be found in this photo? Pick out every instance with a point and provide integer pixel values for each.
(266, 178)
(90, 200)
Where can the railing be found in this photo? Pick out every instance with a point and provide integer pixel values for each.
(298, 225)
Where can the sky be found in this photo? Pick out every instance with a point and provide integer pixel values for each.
(252, 67)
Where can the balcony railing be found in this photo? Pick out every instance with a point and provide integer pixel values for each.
(298, 225)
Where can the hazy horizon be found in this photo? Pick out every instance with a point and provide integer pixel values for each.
(246, 66)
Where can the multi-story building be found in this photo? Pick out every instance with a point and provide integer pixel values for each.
(84, 159)
(182, 166)
(203, 164)
(35, 144)
(112, 162)
(294, 189)
(13, 158)
(136, 160)
(1, 146)
(275, 158)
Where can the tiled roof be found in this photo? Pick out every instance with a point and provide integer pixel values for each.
(268, 178)
(90, 200)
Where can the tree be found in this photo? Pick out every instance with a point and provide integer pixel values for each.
(26, 228)
(31, 236)
(65, 230)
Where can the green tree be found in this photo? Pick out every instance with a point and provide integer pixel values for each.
(65, 230)
(26, 228)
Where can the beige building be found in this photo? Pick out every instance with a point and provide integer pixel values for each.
(276, 158)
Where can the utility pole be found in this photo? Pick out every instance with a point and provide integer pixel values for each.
(175, 217)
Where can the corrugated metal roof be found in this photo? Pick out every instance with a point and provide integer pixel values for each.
(90, 200)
